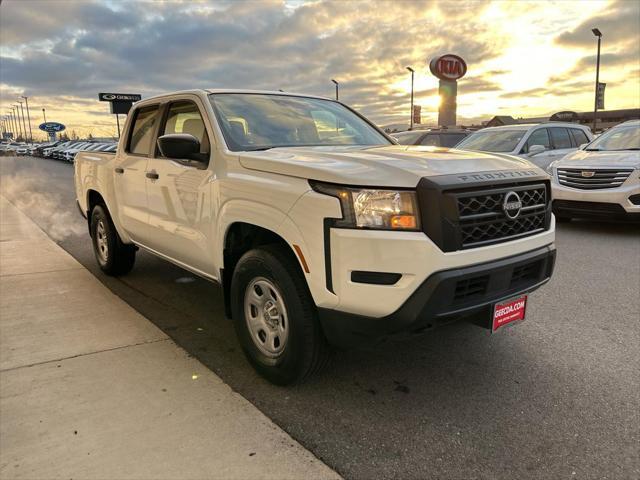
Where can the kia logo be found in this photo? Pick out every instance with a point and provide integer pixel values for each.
(448, 67)
(512, 205)
(109, 96)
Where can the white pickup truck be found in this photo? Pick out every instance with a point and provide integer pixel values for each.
(321, 230)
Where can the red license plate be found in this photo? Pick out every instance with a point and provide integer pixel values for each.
(508, 312)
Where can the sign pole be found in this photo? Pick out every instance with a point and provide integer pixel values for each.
(411, 113)
(598, 34)
(118, 122)
(449, 69)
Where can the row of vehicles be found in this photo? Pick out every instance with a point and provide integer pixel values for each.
(591, 177)
(67, 151)
(59, 150)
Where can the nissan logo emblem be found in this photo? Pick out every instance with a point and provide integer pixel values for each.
(512, 205)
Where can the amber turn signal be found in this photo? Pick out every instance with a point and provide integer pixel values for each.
(402, 222)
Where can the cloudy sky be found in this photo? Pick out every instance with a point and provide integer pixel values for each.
(526, 58)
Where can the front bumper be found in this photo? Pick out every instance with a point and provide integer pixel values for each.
(445, 296)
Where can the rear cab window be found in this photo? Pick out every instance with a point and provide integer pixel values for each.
(431, 140)
(451, 139)
(143, 130)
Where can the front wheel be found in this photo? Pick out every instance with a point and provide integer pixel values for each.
(113, 256)
(275, 317)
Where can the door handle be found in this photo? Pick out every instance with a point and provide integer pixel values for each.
(152, 175)
(119, 170)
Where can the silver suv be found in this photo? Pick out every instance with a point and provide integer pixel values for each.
(540, 143)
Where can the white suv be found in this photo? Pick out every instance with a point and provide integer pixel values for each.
(540, 143)
(601, 180)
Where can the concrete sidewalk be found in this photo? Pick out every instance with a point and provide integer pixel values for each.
(91, 389)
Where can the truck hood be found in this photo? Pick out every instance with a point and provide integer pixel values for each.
(585, 158)
(392, 166)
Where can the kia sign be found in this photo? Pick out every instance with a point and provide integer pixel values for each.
(448, 67)
(119, 97)
(51, 127)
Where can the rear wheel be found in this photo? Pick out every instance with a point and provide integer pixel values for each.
(113, 256)
(275, 317)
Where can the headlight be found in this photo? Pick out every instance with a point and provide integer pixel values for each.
(374, 208)
(550, 167)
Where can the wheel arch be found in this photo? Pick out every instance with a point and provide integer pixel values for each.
(93, 198)
(241, 237)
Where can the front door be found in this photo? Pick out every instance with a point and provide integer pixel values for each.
(130, 173)
(181, 214)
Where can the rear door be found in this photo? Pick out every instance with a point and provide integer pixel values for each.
(130, 172)
(181, 214)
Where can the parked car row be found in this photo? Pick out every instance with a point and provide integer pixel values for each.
(67, 150)
(591, 177)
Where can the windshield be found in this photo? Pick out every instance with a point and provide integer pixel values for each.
(618, 138)
(492, 140)
(261, 121)
(408, 138)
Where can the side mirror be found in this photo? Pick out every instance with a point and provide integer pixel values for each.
(179, 146)
(536, 149)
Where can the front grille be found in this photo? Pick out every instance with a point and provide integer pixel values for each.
(467, 211)
(594, 179)
(482, 219)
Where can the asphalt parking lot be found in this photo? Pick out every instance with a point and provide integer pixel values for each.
(554, 397)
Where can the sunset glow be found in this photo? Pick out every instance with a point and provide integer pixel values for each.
(525, 58)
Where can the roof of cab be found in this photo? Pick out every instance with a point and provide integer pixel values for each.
(230, 90)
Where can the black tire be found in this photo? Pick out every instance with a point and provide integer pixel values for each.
(306, 350)
(117, 258)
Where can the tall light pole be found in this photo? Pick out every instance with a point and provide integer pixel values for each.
(15, 123)
(44, 114)
(17, 115)
(411, 112)
(26, 102)
(598, 34)
(10, 123)
(24, 123)
(336, 87)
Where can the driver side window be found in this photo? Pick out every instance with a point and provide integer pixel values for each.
(184, 117)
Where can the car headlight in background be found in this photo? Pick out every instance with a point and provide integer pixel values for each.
(550, 167)
(374, 208)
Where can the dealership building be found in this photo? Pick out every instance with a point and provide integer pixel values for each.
(604, 118)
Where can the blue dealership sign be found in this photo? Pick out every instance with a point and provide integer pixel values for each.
(52, 127)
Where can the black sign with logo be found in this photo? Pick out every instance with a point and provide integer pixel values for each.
(120, 102)
(119, 97)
